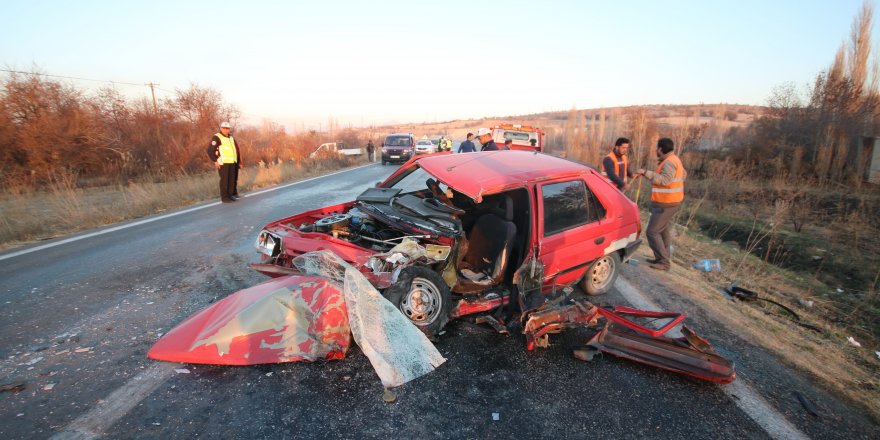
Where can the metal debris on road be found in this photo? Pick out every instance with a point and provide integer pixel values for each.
(807, 404)
(12, 386)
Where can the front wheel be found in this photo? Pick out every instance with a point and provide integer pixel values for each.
(601, 275)
(422, 296)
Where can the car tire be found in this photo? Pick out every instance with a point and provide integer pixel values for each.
(423, 297)
(601, 274)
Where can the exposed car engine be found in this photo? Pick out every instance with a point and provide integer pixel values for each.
(356, 227)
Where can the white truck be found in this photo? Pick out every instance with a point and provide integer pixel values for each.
(336, 148)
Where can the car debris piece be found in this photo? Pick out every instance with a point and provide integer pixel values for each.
(281, 320)
(733, 291)
(48, 387)
(690, 355)
(807, 404)
(304, 318)
(12, 386)
(388, 396)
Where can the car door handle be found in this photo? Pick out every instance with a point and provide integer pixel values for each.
(599, 240)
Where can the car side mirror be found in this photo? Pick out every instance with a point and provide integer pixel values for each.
(378, 183)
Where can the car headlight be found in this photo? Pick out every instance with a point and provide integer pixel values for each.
(269, 244)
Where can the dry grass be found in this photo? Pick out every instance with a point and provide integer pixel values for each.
(64, 208)
(847, 370)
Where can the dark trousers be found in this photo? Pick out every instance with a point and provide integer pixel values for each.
(658, 233)
(227, 180)
(235, 180)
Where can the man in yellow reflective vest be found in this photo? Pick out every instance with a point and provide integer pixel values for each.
(226, 156)
(615, 166)
(667, 193)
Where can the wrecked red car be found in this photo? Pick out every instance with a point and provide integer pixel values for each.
(491, 224)
(445, 236)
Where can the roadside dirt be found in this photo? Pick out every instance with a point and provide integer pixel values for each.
(764, 347)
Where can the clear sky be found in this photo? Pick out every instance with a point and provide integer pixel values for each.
(372, 62)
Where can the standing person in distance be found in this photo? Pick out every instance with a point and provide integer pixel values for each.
(615, 166)
(667, 194)
(468, 145)
(484, 136)
(224, 152)
(371, 150)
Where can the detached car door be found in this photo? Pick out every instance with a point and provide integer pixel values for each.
(571, 230)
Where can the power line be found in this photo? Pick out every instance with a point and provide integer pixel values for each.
(71, 77)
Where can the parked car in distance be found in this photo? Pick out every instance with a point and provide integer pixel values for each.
(398, 147)
(336, 148)
(425, 146)
(493, 225)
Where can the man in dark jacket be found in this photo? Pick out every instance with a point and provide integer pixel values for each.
(615, 166)
(468, 145)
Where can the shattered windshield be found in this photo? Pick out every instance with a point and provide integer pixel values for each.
(415, 181)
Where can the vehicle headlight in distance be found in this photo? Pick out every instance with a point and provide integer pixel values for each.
(269, 244)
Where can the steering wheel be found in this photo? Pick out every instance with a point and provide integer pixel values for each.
(438, 193)
(437, 205)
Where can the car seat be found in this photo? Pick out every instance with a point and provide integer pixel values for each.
(489, 247)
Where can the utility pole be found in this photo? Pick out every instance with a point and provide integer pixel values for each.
(153, 91)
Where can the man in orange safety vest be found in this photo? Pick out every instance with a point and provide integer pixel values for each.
(667, 193)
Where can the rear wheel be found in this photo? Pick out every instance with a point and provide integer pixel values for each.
(601, 275)
(422, 296)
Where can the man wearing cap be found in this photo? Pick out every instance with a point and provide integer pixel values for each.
(224, 152)
(468, 145)
(484, 136)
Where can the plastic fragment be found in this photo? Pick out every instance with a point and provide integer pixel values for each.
(181, 371)
(48, 387)
(388, 396)
(708, 265)
(853, 341)
(496, 417)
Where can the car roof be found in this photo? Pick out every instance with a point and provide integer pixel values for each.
(490, 172)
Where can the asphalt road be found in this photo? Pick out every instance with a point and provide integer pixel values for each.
(78, 318)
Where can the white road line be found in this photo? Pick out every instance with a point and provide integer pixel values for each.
(161, 217)
(99, 419)
(745, 397)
